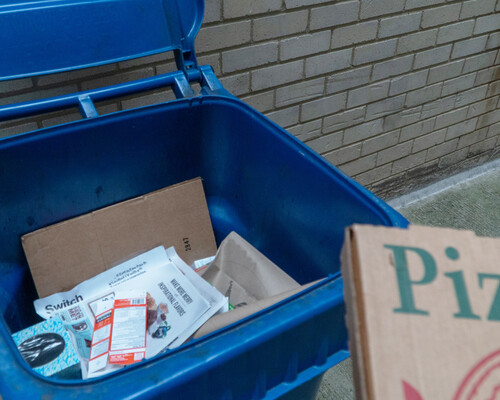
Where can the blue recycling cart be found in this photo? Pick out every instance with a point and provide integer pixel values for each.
(259, 180)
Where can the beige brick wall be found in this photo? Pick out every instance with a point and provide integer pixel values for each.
(395, 92)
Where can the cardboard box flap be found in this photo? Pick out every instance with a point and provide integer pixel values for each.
(353, 318)
(65, 254)
(423, 312)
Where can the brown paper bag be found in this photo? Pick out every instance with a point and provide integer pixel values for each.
(250, 281)
(244, 275)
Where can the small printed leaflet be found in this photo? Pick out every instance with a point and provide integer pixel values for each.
(200, 265)
(99, 349)
(128, 337)
(79, 327)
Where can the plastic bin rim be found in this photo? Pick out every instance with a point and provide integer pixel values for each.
(334, 279)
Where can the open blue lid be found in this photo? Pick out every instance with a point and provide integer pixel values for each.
(47, 36)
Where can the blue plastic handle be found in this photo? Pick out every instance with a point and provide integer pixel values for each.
(85, 100)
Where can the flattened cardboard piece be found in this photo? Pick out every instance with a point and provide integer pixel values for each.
(63, 255)
(423, 312)
(220, 320)
(245, 275)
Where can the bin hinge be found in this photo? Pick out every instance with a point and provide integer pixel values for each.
(87, 107)
(186, 62)
(210, 84)
(182, 88)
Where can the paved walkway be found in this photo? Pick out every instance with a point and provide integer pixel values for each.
(473, 203)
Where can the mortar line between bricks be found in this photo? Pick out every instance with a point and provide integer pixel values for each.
(322, 127)
(419, 121)
(460, 12)
(258, 42)
(242, 18)
(309, 16)
(387, 115)
(361, 66)
(406, 34)
(245, 18)
(317, 77)
(270, 64)
(252, 23)
(396, 14)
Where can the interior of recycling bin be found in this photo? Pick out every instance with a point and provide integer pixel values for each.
(260, 182)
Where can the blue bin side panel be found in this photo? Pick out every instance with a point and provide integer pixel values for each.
(259, 181)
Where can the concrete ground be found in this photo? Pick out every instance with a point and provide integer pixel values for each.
(470, 200)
